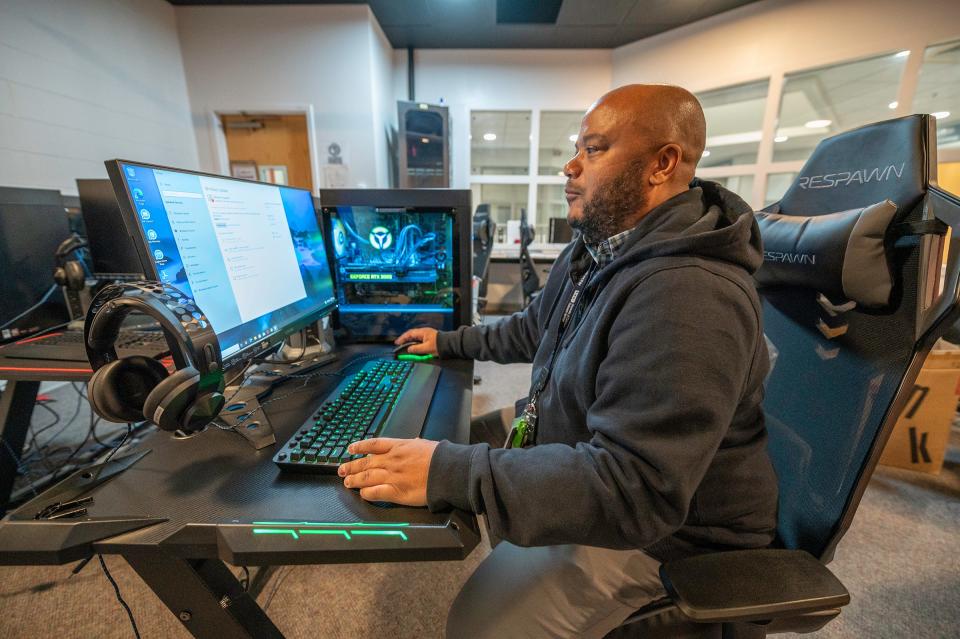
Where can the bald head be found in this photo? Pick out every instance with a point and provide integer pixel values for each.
(638, 147)
(660, 114)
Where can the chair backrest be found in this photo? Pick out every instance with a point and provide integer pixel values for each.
(484, 232)
(833, 396)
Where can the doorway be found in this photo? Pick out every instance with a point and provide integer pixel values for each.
(269, 147)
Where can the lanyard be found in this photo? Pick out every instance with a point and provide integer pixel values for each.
(524, 430)
(575, 298)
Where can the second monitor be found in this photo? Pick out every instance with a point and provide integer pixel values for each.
(401, 259)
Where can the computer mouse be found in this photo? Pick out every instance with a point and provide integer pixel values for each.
(402, 348)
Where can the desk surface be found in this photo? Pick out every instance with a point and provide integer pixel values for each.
(43, 370)
(207, 491)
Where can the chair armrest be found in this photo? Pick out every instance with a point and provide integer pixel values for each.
(751, 585)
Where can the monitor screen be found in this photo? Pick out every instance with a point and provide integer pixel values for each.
(112, 252)
(250, 254)
(33, 223)
(397, 265)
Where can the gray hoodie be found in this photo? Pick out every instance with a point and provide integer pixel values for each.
(650, 432)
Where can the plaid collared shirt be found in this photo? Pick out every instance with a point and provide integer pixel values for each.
(606, 251)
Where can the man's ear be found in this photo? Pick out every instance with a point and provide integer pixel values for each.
(667, 158)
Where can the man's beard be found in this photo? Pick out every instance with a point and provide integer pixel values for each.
(605, 214)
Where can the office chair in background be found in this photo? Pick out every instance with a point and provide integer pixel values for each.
(484, 232)
(529, 279)
(831, 402)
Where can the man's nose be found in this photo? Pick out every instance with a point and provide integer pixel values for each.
(572, 168)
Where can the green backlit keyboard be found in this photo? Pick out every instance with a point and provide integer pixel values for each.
(386, 398)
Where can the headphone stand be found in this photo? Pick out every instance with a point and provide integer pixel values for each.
(244, 414)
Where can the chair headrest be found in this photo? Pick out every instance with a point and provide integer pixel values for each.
(838, 254)
(883, 161)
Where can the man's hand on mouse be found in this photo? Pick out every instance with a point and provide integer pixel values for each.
(394, 470)
(427, 338)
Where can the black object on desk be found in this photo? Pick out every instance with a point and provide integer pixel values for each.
(191, 505)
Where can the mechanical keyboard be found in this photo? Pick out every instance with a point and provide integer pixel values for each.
(386, 398)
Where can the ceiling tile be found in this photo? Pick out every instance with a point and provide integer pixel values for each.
(409, 12)
(576, 13)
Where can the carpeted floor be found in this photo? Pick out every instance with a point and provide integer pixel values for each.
(900, 560)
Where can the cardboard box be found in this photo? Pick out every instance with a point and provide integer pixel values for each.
(919, 439)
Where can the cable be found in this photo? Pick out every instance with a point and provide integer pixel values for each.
(42, 301)
(116, 589)
(276, 587)
(21, 468)
(120, 445)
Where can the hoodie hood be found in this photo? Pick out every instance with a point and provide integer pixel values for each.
(705, 221)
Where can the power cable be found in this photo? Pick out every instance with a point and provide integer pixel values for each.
(116, 589)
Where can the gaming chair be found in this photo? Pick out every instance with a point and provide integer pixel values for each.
(842, 375)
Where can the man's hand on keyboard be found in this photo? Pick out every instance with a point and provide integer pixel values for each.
(394, 470)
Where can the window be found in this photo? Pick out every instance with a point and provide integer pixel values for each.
(734, 122)
(742, 185)
(938, 91)
(777, 185)
(558, 135)
(551, 203)
(505, 202)
(500, 143)
(822, 102)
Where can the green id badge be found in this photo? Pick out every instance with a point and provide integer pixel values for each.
(520, 432)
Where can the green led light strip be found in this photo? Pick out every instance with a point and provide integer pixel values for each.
(393, 533)
(314, 531)
(325, 532)
(323, 523)
(275, 531)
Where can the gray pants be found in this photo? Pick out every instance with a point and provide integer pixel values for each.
(550, 591)
(553, 591)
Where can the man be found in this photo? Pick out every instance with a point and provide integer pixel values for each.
(649, 441)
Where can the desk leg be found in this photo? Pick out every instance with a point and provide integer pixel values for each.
(16, 409)
(204, 595)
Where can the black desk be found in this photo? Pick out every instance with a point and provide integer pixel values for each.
(16, 407)
(190, 505)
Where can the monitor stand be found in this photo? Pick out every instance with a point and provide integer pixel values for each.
(244, 413)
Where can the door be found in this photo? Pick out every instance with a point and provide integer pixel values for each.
(269, 147)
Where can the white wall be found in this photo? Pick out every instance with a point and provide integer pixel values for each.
(384, 99)
(83, 82)
(286, 57)
(776, 36)
(470, 79)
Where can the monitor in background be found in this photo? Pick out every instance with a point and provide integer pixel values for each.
(250, 254)
(401, 259)
(112, 252)
(560, 231)
(33, 223)
(71, 205)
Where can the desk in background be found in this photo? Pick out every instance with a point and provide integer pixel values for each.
(504, 293)
(17, 401)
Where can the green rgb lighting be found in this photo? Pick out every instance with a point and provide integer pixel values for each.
(275, 531)
(324, 523)
(324, 532)
(393, 533)
(412, 357)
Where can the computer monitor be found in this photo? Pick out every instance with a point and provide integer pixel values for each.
(33, 223)
(251, 254)
(71, 206)
(401, 259)
(112, 251)
(560, 231)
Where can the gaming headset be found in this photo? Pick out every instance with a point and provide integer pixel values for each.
(70, 273)
(135, 388)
